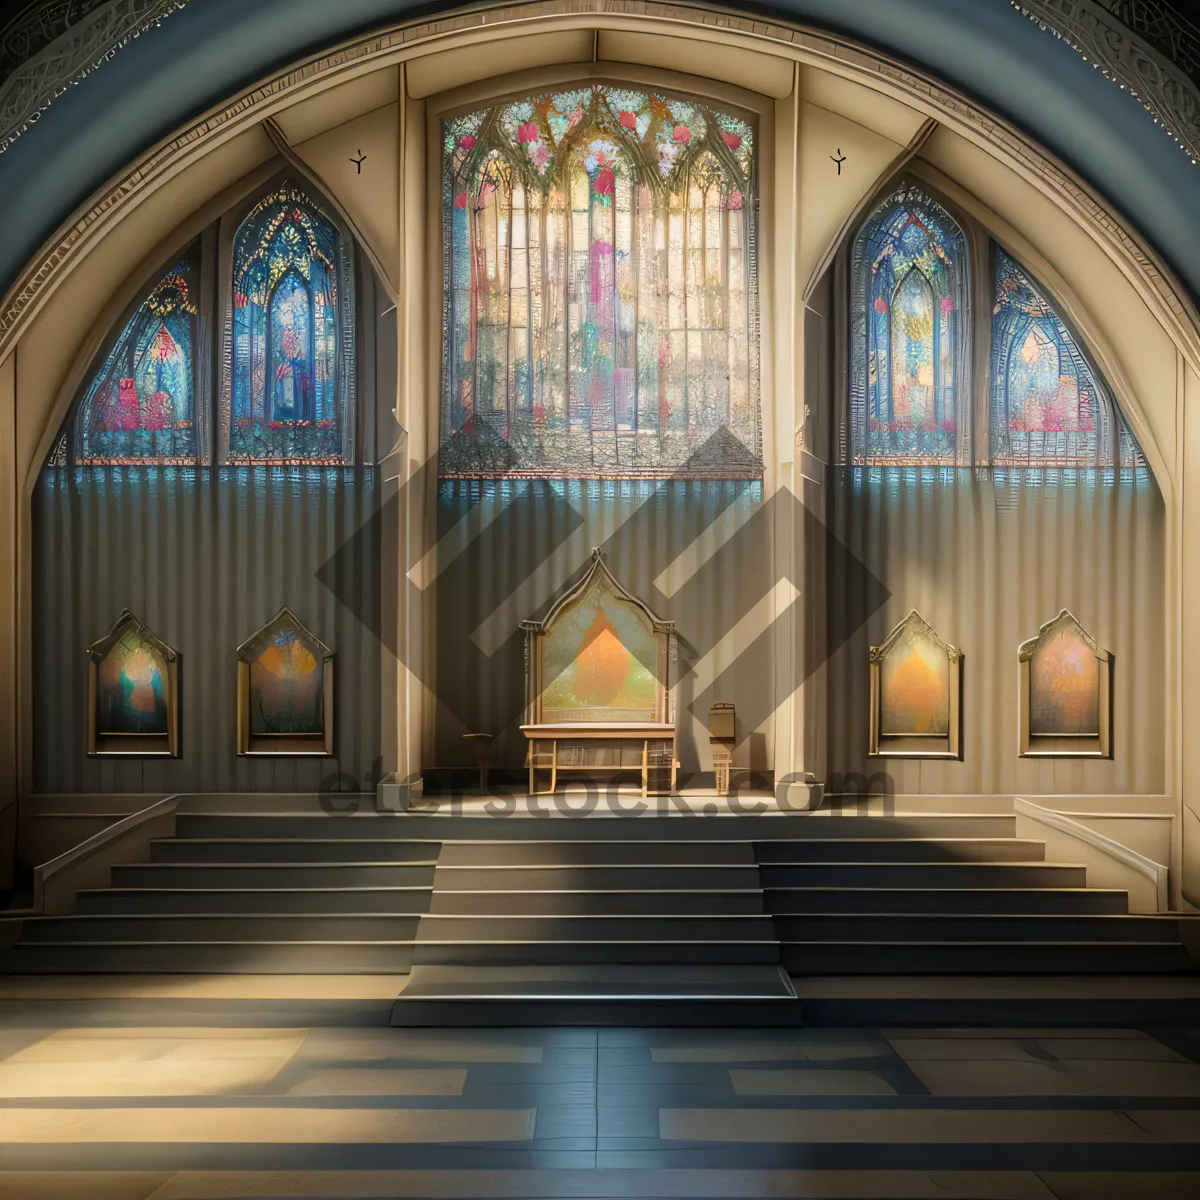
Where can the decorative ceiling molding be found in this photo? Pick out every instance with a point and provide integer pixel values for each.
(82, 37)
(1145, 269)
(35, 26)
(1103, 32)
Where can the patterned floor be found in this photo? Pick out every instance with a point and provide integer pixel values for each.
(183, 1096)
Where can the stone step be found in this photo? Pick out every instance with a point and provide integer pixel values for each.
(271, 875)
(274, 850)
(973, 928)
(807, 900)
(597, 994)
(934, 875)
(601, 902)
(573, 822)
(590, 877)
(222, 927)
(978, 958)
(888, 850)
(571, 929)
(210, 958)
(256, 900)
(595, 853)
(560, 952)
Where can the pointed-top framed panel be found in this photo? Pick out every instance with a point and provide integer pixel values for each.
(285, 690)
(599, 654)
(133, 693)
(1065, 693)
(916, 694)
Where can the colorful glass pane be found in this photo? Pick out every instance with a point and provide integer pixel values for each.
(1064, 685)
(600, 660)
(1048, 407)
(915, 685)
(907, 355)
(286, 687)
(131, 695)
(291, 368)
(601, 289)
(140, 406)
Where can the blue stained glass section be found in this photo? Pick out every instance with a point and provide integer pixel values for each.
(140, 406)
(291, 368)
(908, 398)
(1049, 408)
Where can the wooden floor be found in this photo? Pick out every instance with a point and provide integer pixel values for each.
(191, 1087)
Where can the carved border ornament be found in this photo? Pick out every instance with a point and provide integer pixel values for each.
(72, 56)
(1147, 268)
(1164, 89)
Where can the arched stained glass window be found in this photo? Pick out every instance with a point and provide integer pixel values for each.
(140, 406)
(908, 391)
(292, 341)
(1048, 406)
(601, 308)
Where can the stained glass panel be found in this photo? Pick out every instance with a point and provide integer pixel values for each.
(286, 687)
(915, 685)
(1064, 685)
(600, 660)
(140, 406)
(131, 691)
(292, 370)
(1048, 407)
(600, 311)
(908, 362)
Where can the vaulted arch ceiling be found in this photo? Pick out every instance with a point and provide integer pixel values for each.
(192, 54)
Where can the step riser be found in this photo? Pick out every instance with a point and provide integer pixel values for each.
(854, 927)
(598, 853)
(808, 901)
(923, 875)
(567, 953)
(566, 879)
(831, 959)
(198, 958)
(594, 929)
(283, 876)
(354, 900)
(898, 850)
(369, 851)
(364, 822)
(550, 904)
(310, 928)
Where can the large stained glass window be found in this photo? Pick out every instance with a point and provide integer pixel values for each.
(1048, 407)
(908, 385)
(292, 342)
(600, 289)
(141, 405)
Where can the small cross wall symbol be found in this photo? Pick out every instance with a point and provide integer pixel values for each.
(838, 158)
(362, 158)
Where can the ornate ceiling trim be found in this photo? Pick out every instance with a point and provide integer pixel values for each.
(1144, 268)
(1103, 32)
(86, 42)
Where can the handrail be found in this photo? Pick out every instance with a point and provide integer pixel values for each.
(45, 872)
(1157, 873)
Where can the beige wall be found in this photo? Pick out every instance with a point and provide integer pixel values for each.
(840, 105)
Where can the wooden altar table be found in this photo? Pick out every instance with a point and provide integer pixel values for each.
(647, 747)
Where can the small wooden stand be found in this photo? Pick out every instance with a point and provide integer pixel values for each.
(483, 754)
(722, 734)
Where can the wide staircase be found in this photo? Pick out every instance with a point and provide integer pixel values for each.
(541, 907)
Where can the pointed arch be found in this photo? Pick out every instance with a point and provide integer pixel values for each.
(1049, 406)
(140, 405)
(600, 309)
(909, 338)
(291, 393)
